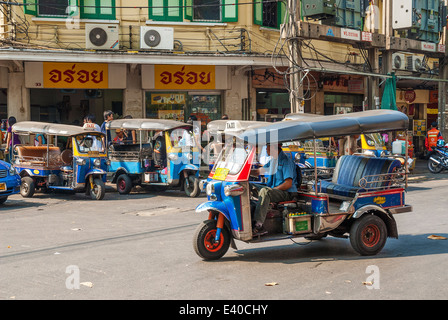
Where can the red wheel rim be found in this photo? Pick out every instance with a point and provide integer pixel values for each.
(122, 185)
(370, 235)
(209, 241)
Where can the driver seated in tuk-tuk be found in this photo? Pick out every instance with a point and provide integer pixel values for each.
(281, 185)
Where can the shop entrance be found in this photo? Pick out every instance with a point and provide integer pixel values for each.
(71, 106)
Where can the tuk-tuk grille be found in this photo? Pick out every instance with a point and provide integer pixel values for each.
(3, 173)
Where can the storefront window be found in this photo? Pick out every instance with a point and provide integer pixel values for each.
(272, 105)
(180, 105)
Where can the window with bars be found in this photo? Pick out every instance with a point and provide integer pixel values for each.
(268, 13)
(51, 8)
(96, 9)
(194, 10)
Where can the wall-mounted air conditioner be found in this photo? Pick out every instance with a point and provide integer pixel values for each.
(156, 38)
(414, 63)
(398, 61)
(102, 36)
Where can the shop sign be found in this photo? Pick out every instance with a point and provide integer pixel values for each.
(409, 96)
(184, 77)
(168, 98)
(75, 75)
(428, 46)
(366, 36)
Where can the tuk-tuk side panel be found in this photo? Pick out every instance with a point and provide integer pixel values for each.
(384, 199)
(131, 167)
(33, 172)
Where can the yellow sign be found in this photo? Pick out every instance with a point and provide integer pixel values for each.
(180, 77)
(76, 75)
(168, 98)
(221, 174)
(379, 200)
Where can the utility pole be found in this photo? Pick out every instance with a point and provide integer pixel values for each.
(295, 63)
(442, 90)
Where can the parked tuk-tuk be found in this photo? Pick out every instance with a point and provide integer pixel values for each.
(165, 153)
(359, 200)
(73, 159)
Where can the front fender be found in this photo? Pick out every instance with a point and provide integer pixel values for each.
(392, 230)
(214, 206)
(95, 172)
(188, 167)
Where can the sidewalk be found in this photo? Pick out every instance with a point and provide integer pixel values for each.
(421, 172)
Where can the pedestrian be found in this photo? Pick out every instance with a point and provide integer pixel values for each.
(433, 135)
(11, 139)
(108, 116)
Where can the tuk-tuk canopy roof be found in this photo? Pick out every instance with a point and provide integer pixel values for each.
(222, 126)
(145, 124)
(54, 129)
(327, 126)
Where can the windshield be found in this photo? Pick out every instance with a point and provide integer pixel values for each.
(184, 138)
(374, 139)
(232, 158)
(89, 143)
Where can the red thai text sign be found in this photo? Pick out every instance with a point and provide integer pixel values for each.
(76, 75)
(186, 77)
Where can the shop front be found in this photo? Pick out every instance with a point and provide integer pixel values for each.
(272, 97)
(67, 92)
(178, 91)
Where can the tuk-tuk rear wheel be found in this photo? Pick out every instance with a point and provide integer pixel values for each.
(368, 235)
(204, 242)
(99, 189)
(124, 184)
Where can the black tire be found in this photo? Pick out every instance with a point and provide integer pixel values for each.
(204, 245)
(368, 235)
(3, 200)
(192, 190)
(99, 189)
(124, 184)
(434, 167)
(27, 187)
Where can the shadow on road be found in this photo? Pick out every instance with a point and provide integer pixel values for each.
(330, 249)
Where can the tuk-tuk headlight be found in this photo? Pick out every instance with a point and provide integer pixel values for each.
(189, 156)
(80, 162)
(297, 157)
(233, 190)
(97, 162)
(210, 189)
(172, 156)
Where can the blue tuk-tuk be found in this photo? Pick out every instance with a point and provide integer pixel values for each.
(158, 153)
(72, 159)
(358, 201)
(9, 181)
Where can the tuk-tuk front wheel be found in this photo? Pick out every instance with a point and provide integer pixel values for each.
(98, 190)
(27, 187)
(368, 235)
(204, 242)
(192, 186)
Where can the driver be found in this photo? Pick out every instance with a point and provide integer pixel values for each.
(281, 185)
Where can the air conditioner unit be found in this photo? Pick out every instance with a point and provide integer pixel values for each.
(398, 61)
(102, 36)
(156, 38)
(414, 63)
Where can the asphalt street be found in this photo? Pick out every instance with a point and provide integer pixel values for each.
(139, 247)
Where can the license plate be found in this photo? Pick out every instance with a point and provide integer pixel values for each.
(221, 174)
(2, 187)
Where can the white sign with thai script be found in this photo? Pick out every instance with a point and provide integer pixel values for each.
(350, 34)
(428, 46)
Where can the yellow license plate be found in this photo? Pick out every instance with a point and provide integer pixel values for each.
(221, 174)
(2, 187)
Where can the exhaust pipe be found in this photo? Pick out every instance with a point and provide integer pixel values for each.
(434, 160)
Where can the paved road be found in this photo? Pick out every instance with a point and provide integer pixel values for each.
(139, 246)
